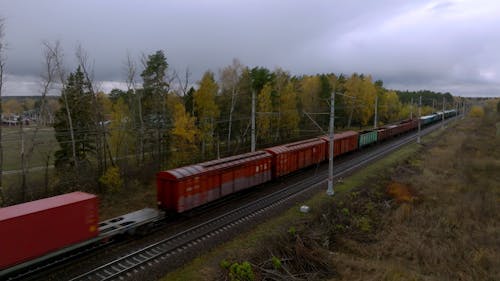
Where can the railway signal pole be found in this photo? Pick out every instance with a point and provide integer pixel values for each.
(411, 108)
(463, 108)
(442, 123)
(419, 115)
(330, 190)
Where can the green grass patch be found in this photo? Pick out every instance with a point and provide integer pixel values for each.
(45, 145)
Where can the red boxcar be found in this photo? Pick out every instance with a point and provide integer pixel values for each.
(188, 187)
(297, 155)
(390, 131)
(386, 132)
(342, 143)
(408, 125)
(35, 228)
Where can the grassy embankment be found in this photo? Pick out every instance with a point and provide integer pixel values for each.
(426, 212)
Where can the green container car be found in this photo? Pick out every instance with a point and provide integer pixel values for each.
(367, 138)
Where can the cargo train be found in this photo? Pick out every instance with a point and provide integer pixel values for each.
(67, 222)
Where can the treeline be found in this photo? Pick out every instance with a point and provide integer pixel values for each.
(164, 123)
(429, 98)
(162, 120)
(29, 108)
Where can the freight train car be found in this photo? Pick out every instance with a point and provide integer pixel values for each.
(386, 132)
(429, 119)
(367, 138)
(35, 228)
(191, 186)
(297, 155)
(407, 125)
(343, 143)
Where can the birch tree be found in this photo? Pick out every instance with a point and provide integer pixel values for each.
(135, 103)
(48, 76)
(101, 146)
(75, 94)
(56, 52)
(229, 77)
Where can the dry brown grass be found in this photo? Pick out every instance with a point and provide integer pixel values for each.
(453, 233)
(433, 218)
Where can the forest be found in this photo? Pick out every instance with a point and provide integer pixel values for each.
(164, 120)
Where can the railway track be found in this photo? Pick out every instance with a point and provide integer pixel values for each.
(174, 246)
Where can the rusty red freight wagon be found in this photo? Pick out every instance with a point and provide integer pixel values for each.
(407, 125)
(35, 228)
(342, 143)
(188, 187)
(297, 155)
(386, 132)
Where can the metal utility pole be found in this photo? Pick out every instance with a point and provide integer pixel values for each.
(411, 108)
(463, 108)
(375, 119)
(419, 121)
(330, 190)
(253, 120)
(442, 123)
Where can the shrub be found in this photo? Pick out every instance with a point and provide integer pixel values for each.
(363, 223)
(112, 179)
(476, 111)
(241, 272)
(225, 264)
(276, 262)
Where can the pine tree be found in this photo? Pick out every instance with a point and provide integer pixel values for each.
(79, 101)
(154, 106)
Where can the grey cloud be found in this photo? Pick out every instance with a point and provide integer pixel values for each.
(424, 44)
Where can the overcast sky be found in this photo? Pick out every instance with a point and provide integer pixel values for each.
(449, 46)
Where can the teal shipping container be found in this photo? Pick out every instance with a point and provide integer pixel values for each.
(367, 138)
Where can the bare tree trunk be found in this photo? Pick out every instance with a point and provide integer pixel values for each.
(47, 77)
(230, 77)
(131, 85)
(2, 67)
(183, 84)
(350, 118)
(23, 160)
(56, 52)
(231, 110)
(72, 134)
(46, 174)
(101, 144)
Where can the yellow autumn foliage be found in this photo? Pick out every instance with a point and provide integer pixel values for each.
(476, 111)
